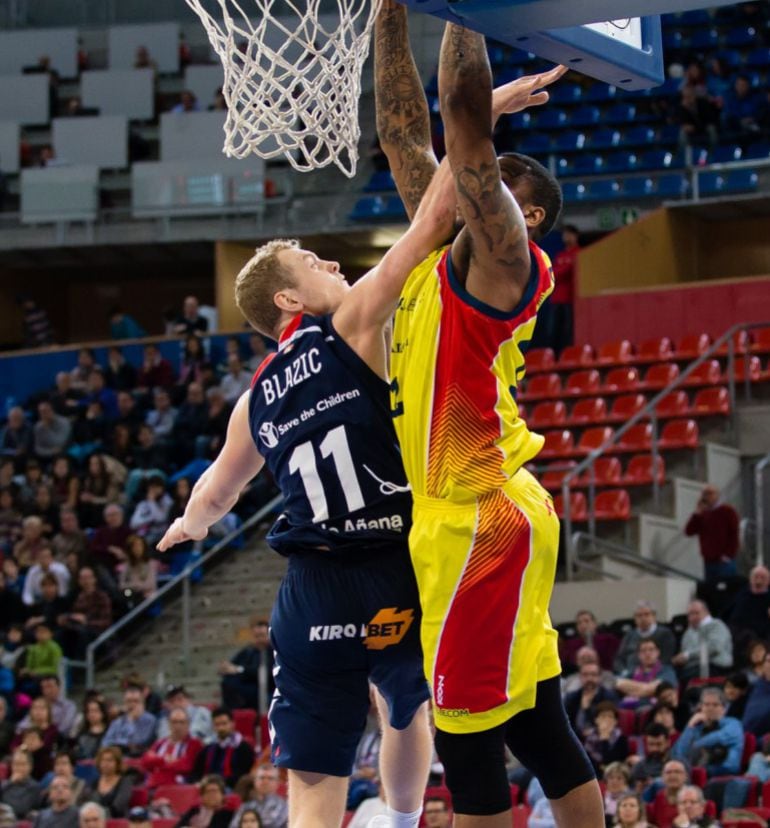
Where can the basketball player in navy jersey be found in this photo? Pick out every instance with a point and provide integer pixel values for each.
(348, 611)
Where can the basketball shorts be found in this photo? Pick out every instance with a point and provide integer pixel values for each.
(337, 624)
(485, 570)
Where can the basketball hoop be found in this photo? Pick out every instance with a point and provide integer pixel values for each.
(292, 81)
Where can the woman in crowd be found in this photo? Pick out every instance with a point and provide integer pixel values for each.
(39, 717)
(20, 791)
(250, 818)
(10, 520)
(139, 574)
(755, 654)
(604, 742)
(98, 490)
(151, 516)
(190, 365)
(616, 781)
(113, 788)
(211, 813)
(630, 813)
(95, 722)
(63, 765)
(64, 482)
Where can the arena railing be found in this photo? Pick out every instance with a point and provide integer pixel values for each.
(760, 504)
(649, 412)
(184, 580)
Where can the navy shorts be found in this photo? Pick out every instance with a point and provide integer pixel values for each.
(337, 624)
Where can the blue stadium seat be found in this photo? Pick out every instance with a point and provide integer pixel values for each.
(380, 181)
(741, 37)
(711, 184)
(731, 58)
(535, 143)
(585, 116)
(603, 190)
(573, 191)
(375, 208)
(760, 150)
(570, 141)
(621, 113)
(704, 39)
(696, 17)
(563, 166)
(394, 209)
(759, 58)
(567, 93)
(672, 185)
(588, 164)
(725, 154)
(621, 162)
(551, 119)
(638, 187)
(672, 40)
(639, 136)
(741, 181)
(520, 120)
(604, 138)
(498, 55)
(669, 135)
(600, 93)
(520, 58)
(668, 89)
(660, 160)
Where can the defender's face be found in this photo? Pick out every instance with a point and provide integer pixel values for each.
(320, 286)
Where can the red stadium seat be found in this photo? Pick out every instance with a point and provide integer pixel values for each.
(140, 797)
(675, 404)
(749, 748)
(548, 415)
(540, 360)
(763, 813)
(660, 376)
(626, 721)
(541, 387)
(754, 369)
(761, 343)
(523, 413)
(692, 346)
(612, 504)
(232, 802)
(707, 373)
(557, 444)
(117, 823)
(637, 439)
(578, 507)
(607, 472)
(576, 356)
(639, 471)
(709, 402)
(679, 434)
(615, 353)
(621, 381)
(180, 797)
(554, 475)
(5, 771)
(740, 344)
(594, 438)
(655, 350)
(582, 384)
(245, 721)
(164, 823)
(626, 407)
(590, 411)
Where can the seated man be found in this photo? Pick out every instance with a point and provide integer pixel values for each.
(756, 716)
(247, 679)
(711, 738)
(172, 758)
(61, 812)
(749, 616)
(605, 644)
(586, 655)
(198, 716)
(663, 796)
(692, 809)
(273, 809)
(229, 755)
(703, 629)
(134, 730)
(64, 713)
(646, 627)
(90, 616)
(656, 752)
(639, 685)
(581, 704)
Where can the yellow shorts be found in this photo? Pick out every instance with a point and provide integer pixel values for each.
(485, 570)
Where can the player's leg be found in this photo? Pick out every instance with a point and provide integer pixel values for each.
(316, 800)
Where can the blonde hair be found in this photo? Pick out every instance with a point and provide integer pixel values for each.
(258, 282)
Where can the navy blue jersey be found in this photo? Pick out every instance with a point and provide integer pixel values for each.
(320, 417)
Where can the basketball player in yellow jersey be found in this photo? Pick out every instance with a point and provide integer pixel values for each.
(485, 536)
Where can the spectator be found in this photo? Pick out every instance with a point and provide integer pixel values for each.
(63, 711)
(217, 418)
(52, 432)
(43, 506)
(142, 59)
(65, 399)
(11, 607)
(128, 412)
(718, 81)
(716, 525)
(697, 118)
(707, 639)
(605, 644)
(138, 576)
(645, 626)
(581, 704)
(16, 436)
(236, 382)
(97, 391)
(187, 103)
(251, 819)
(41, 753)
(43, 657)
(151, 515)
(82, 371)
(228, 755)
(161, 417)
(113, 787)
(198, 716)
(92, 730)
(741, 110)
(604, 742)
(70, 539)
(668, 694)
(124, 326)
(39, 716)
(98, 489)
(14, 580)
(21, 791)
(134, 730)
(93, 816)
(211, 813)
(664, 807)
(149, 454)
(616, 782)
(63, 766)
(172, 758)
(27, 550)
(139, 818)
(37, 328)
(61, 812)
(50, 606)
(639, 688)
(749, 616)
(64, 483)
(191, 419)
(630, 812)
(193, 358)
(692, 809)
(258, 351)
(108, 542)
(272, 808)
(119, 373)
(541, 815)
(695, 79)
(46, 565)
(247, 679)
(10, 522)
(156, 371)
(90, 616)
(191, 321)
(365, 813)
(736, 689)
(31, 479)
(711, 738)
(560, 314)
(7, 729)
(219, 104)
(755, 656)
(756, 717)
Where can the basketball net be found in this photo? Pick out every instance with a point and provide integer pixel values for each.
(292, 77)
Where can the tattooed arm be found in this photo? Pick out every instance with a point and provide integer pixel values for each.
(403, 120)
(491, 254)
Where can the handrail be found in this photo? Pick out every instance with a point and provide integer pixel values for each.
(649, 412)
(625, 555)
(184, 578)
(759, 505)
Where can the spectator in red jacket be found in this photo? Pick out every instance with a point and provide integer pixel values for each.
(606, 644)
(156, 372)
(716, 525)
(562, 299)
(169, 761)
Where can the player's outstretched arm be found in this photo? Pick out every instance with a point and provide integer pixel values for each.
(403, 120)
(493, 252)
(219, 487)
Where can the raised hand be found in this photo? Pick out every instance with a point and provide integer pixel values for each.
(176, 534)
(524, 92)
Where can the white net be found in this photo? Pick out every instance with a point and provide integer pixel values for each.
(292, 76)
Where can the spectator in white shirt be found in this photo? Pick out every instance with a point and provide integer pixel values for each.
(235, 381)
(33, 582)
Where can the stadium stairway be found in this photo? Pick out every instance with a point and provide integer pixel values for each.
(243, 585)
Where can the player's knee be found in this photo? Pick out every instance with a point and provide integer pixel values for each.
(474, 764)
